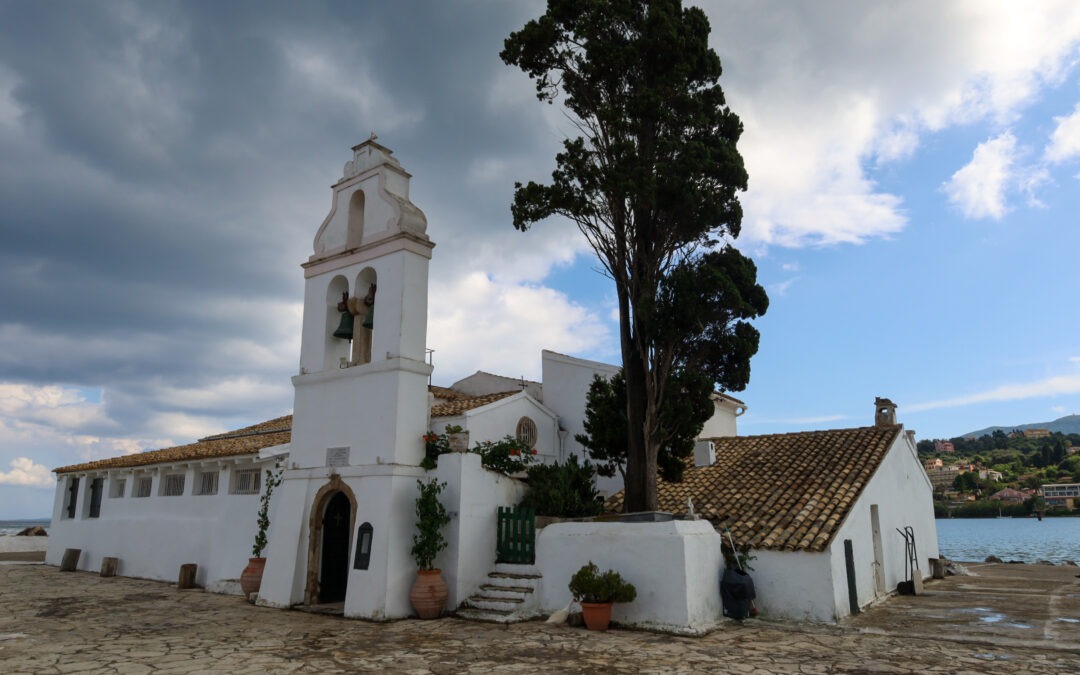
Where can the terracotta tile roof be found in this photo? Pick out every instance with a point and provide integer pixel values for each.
(459, 403)
(788, 492)
(246, 441)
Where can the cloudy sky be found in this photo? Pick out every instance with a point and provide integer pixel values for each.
(164, 167)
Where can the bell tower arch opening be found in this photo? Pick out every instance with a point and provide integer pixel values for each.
(335, 349)
(363, 308)
(354, 235)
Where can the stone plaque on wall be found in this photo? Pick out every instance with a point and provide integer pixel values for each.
(337, 456)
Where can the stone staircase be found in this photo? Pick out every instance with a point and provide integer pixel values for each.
(510, 595)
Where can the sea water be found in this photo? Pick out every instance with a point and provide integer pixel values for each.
(8, 527)
(1025, 539)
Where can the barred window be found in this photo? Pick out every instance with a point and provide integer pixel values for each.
(173, 485)
(208, 482)
(526, 431)
(72, 496)
(246, 482)
(96, 487)
(143, 486)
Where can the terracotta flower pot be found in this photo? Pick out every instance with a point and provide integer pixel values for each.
(251, 578)
(428, 596)
(597, 615)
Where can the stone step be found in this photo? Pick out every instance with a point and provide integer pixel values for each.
(515, 569)
(490, 603)
(519, 577)
(499, 590)
(489, 615)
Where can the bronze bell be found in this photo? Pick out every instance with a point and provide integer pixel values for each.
(344, 329)
(368, 322)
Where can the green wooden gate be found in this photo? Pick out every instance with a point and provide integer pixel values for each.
(517, 536)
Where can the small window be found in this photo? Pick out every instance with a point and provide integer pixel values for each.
(526, 431)
(96, 487)
(173, 485)
(143, 484)
(208, 482)
(246, 482)
(116, 487)
(72, 496)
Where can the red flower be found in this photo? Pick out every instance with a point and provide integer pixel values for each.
(534, 451)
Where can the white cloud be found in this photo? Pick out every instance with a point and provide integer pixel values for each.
(25, 472)
(978, 189)
(827, 91)
(782, 287)
(819, 419)
(1051, 386)
(477, 323)
(1065, 140)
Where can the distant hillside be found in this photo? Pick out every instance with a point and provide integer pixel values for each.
(1070, 424)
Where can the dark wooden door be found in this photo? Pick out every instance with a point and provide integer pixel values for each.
(334, 575)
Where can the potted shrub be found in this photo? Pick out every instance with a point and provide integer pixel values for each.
(596, 593)
(428, 595)
(251, 577)
(457, 438)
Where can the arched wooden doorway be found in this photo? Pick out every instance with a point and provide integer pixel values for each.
(332, 514)
(334, 567)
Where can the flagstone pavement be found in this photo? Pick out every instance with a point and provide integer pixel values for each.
(1006, 620)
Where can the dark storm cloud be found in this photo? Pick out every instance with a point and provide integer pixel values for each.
(170, 166)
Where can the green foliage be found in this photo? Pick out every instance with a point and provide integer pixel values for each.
(563, 490)
(588, 585)
(508, 456)
(434, 445)
(681, 420)
(431, 518)
(272, 481)
(738, 557)
(652, 184)
(987, 509)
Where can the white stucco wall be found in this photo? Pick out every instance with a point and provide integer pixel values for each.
(904, 497)
(496, 420)
(472, 496)
(566, 390)
(674, 565)
(793, 585)
(153, 536)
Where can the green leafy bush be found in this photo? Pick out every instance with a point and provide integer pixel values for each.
(263, 520)
(431, 518)
(588, 585)
(563, 490)
(508, 456)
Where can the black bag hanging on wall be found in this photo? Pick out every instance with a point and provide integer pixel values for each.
(736, 593)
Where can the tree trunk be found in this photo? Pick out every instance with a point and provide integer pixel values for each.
(634, 483)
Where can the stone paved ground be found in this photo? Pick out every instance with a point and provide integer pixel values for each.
(54, 622)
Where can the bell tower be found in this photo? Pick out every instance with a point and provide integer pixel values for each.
(342, 526)
(363, 376)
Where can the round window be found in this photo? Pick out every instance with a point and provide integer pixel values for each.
(526, 431)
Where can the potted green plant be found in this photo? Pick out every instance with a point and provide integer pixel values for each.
(596, 593)
(251, 577)
(457, 438)
(429, 593)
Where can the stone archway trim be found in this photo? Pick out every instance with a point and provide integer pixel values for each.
(318, 506)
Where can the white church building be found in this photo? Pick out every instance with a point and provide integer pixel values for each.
(350, 455)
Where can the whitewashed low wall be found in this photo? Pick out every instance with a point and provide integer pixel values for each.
(793, 585)
(153, 536)
(674, 565)
(472, 495)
